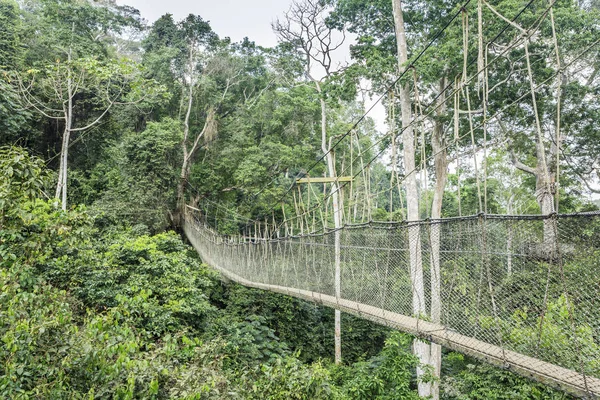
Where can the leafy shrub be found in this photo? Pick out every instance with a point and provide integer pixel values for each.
(388, 375)
(175, 284)
(465, 379)
(287, 378)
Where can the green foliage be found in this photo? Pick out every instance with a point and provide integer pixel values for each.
(467, 379)
(304, 327)
(22, 177)
(287, 378)
(51, 23)
(48, 351)
(135, 184)
(9, 34)
(388, 375)
(250, 341)
(172, 284)
(14, 118)
(556, 335)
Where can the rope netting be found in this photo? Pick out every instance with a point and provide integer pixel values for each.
(519, 292)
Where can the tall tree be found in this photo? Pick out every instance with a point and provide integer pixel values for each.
(197, 36)
(422, 350)
(68, 74)
(56, 91)
(304, 26)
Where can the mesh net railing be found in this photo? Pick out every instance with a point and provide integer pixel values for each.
(519, 292)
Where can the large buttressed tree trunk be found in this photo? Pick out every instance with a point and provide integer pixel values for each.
(438, 147)
(422, 350)
(544, 191)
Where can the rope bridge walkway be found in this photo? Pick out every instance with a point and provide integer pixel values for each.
(518, 292)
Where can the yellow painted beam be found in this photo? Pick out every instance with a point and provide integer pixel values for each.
(325, 180)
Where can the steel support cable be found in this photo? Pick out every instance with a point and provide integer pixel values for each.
(503, 109)
(414, 121)
(389, 88)
(493, 117)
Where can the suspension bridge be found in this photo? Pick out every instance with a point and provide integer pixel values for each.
(506, 297)
(521, 292)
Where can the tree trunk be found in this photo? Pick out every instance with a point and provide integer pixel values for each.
(61, 186)
(544, 195)
(61, 164)
(510, 235)
(544, 179)
(337, 220)
(441, 178)
(545, 199)
(185, 165)
(421, 349)
(66, 140)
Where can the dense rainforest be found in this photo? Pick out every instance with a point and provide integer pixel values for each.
(110, 126)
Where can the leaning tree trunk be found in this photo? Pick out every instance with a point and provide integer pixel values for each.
(421, 349)
(187, 154)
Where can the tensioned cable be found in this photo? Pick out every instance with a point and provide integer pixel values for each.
(495, 116)
(434, 101)
(362, 118)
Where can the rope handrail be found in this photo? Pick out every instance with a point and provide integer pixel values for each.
(502, 288)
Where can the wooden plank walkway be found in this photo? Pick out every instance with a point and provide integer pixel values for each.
(550, 374)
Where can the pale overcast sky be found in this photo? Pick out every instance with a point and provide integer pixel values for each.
(234, 18)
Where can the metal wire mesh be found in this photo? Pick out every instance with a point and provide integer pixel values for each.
(520, 292)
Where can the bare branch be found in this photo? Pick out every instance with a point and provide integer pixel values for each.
(519, 165)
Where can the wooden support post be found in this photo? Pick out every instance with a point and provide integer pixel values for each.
(337, 219)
